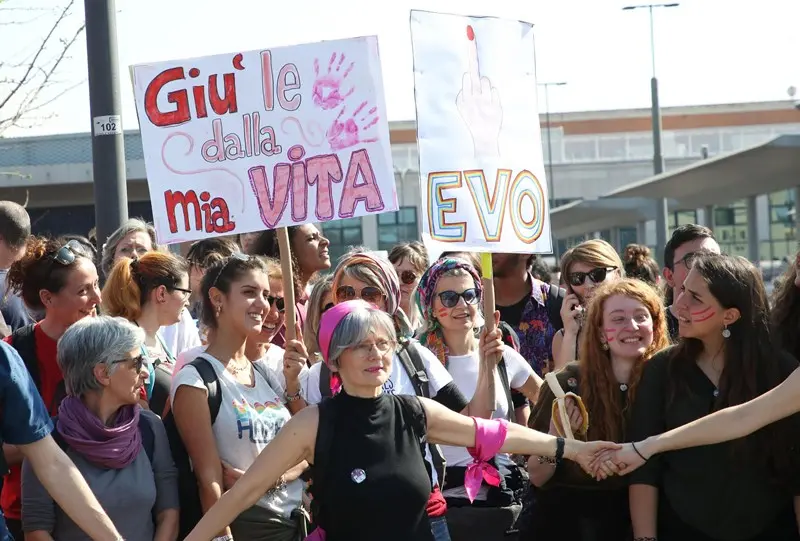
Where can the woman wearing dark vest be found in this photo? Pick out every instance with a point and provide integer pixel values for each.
(58, 279)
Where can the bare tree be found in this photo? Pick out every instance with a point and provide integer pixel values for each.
(28, 85)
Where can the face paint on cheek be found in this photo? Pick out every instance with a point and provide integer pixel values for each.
(703, 315)
(443, 312)
(610, 334)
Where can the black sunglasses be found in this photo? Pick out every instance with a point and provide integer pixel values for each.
(597, 276)
(66, 254)
(138, 362)
(327, 307)
(450, 298)
(408, 277)
(238, 256)
(372, 295)
(279, 303)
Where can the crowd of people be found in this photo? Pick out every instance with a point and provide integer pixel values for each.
(171, 403)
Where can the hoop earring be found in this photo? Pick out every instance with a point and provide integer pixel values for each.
(726, 333)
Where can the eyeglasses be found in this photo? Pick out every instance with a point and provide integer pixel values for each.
(450, 298)
(138, 362)
(238, 256)
(408, 277)
(383, 347)
(372, 295)
(186, 292)
(279, 303)
(687, 260)
(597, 276)
(66, 254)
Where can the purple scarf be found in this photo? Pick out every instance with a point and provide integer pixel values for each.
(112, 448)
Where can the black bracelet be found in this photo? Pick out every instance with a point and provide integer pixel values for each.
(645, 539)
(559, 450)
(643, 458)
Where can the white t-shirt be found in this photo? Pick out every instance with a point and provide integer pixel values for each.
(248, 419)
(182, 335)
(398, 383)
(464, 369)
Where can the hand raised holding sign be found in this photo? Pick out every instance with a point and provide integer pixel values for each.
(478, 103)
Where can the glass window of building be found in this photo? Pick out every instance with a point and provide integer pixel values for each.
(342, 234)
(397, 227)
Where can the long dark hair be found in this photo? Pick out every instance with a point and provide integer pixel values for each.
(752, 358)
(786, 312)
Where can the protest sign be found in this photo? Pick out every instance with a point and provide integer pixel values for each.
(481, 168)
(242, 142)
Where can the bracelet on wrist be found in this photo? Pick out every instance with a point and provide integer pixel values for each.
(227, 537)
(633, 445)
(292, 397)
(547, 460)
(645, 539)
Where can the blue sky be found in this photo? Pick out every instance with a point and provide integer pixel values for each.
(708, 51)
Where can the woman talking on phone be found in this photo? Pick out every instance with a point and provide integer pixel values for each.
(583, 268)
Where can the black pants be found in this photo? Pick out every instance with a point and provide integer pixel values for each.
(15, 529)
(672, 528)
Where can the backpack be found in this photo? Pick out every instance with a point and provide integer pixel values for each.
(24, 341)
(191, 510)
(412, 362)
(145, 428)
(555, 298)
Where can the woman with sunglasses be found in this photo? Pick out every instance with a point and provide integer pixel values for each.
(583, 268)
(410, 259)
(236, 305)
(450, 294)
(319, 301)
(58, 279)
(361, 275)
(370, 476)
(133, 239)
(120, 449)
(309, 256)
(151, 292)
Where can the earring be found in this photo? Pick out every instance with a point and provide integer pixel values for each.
(219, 310)
(604, 345)
(726, 333)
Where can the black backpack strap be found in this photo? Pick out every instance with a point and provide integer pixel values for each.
(502, 371)
(412, 362)
(555, 298)
(148, 435)
(322, 452)
(24, 341)
(211, 381)
(271, 380)
(324, 380)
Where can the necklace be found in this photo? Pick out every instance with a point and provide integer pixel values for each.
(623, 387)
(236, 370)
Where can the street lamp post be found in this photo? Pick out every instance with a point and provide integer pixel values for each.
(658, 158)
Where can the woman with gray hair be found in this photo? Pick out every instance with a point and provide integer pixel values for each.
(320, 300)
(367, 446)
(120, 449)
(131, 240)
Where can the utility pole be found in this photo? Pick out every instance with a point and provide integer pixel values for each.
(108, 144)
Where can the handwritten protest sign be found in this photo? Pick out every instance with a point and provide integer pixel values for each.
(481, 167)
(248, 141)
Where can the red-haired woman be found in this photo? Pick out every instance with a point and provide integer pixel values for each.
(624, 327)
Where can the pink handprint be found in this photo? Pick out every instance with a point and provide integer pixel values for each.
(346, 133)
(327, 92)
(478, 103)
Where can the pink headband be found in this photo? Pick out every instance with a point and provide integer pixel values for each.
(331, 319)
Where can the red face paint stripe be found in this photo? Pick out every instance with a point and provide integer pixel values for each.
(701, 312)
(705, 318)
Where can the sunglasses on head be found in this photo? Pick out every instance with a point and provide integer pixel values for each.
(408, 277)
(278, 302)
(66, 254)
(238, 256)
(450, 298)
(597, 276)
(372, 295)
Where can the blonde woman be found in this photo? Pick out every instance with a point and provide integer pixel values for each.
(583, 268)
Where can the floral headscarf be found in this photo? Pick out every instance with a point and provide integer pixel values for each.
(432, 337)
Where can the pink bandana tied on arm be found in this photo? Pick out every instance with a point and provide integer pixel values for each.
(490, 434)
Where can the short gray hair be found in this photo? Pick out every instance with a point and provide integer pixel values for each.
(356, 327)
(134, 225)
(93, 341)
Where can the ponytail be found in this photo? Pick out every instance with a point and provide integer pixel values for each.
(122, 296)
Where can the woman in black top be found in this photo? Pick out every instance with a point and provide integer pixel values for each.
(370, 480)
(736, 491)
(625, 325)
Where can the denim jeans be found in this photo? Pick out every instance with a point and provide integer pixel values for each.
(439, 529)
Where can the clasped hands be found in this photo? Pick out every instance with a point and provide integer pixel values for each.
(602, 459)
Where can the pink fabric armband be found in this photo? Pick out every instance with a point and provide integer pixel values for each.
(490, 434)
